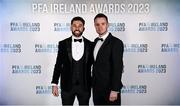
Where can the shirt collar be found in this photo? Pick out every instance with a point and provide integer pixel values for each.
(104, 36)
(74, 37)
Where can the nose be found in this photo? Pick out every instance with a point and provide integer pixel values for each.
(77, 28)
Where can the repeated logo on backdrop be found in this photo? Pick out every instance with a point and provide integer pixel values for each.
(10, 48)
(25, 26)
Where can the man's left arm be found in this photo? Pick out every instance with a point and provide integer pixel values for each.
(117, 68)
(117, 65)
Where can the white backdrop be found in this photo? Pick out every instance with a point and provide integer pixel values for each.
(31, 29)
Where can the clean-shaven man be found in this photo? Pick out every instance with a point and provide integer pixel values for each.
(108, 64)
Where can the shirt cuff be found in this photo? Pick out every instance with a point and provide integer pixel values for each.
(116, 91)
(53, 84)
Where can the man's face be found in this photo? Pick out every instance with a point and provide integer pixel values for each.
(101, 25)
(77, 28)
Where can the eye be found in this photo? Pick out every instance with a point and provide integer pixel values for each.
(74, 25)
(80, 25)
(96, 24)
(103, 23)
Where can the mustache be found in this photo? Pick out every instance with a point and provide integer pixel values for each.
(77, 30)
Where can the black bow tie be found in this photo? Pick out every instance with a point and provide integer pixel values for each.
(79, 40)
(101, 39)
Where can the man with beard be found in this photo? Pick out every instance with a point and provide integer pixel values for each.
(73, 66)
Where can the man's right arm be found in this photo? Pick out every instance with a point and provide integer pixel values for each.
(58, 65)
(57, 71)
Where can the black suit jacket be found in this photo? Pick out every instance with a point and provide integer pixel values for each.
(108, 66)
(63, 66)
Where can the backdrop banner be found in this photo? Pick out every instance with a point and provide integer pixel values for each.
(31, 29)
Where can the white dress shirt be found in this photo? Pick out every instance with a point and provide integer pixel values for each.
(99, 44)
(77, 48)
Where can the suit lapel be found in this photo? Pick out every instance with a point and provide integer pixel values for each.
(86, 47)
(104, 45)
(69, 48)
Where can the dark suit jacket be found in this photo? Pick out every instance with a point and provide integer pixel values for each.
(108, 67)
(63, 66)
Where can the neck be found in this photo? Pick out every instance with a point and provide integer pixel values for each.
(77, 36)
(101, 35)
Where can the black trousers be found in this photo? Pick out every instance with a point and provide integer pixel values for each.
(69, 97)
(102, 98)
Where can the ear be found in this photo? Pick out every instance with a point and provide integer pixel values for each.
(108, 25)
(71, 28)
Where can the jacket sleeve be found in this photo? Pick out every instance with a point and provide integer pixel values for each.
(58, 65)
(117, 65)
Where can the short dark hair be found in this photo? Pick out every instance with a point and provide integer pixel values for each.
(101, 15)
(78, 19)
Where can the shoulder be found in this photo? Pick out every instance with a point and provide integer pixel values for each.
(64, 41)
(116, 40)
(88, 41)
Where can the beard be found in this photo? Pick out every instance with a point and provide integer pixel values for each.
(77, 34)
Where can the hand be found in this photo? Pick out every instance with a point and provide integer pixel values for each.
(113, 96)
(55, 91)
